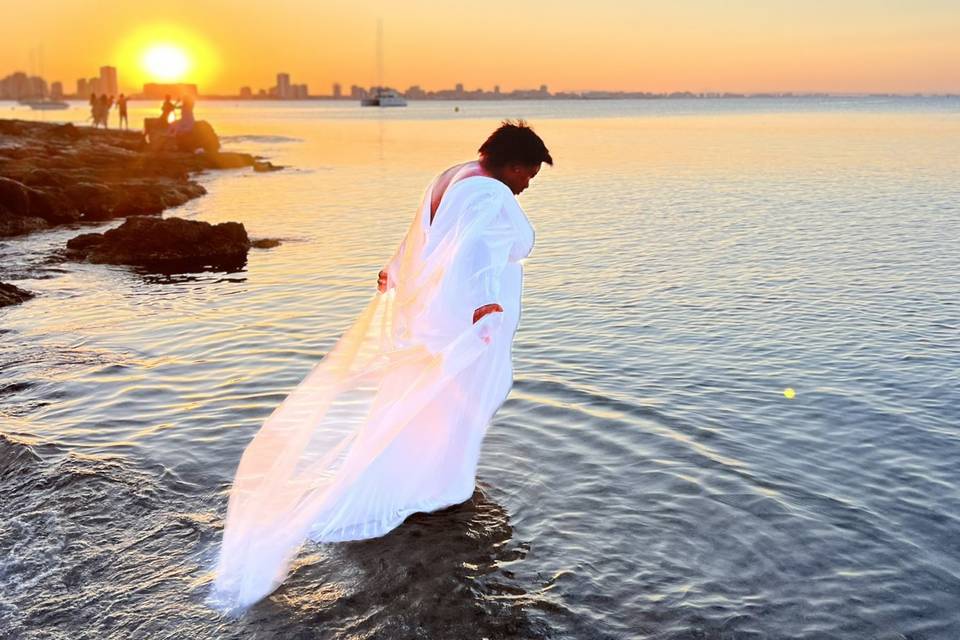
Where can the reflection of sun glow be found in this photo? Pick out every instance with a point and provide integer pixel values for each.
(166, 62)
(165, 53)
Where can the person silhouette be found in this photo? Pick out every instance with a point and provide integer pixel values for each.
(186, 121)
(94, 110)
(122, 109)
(166, 109)
(104, 109)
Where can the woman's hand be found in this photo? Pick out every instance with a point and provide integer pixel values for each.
(382, 282)
(484, 310)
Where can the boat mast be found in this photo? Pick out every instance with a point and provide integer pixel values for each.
(379, 55)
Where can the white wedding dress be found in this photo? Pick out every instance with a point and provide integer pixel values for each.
(391, 421)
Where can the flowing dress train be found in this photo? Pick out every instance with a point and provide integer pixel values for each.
(391, 421)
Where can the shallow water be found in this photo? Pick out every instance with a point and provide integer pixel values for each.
(647, 476)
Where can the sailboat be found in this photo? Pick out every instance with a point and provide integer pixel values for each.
(382, 97)
(45, 104)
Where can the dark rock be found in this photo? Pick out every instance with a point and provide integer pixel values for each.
(55, 174)
(10, 294)
(84, 242)
(265, 243)
(202, 136)
(52, 205)
(151, 241)
(263, 166)
(66, 131)
(94, 200)
(14, 198)
(229, 160)
(19, 225)
(44, 178)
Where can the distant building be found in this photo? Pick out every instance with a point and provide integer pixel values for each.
(56, 90)
(246, 93)
(283, 85)
(108, 81)
(82, 91)
(262, 93)
(15, 86)
(496, 89)
(20, 86)
(415, 93)
(337, 90)
(157, 90)
(95, 86)
(302, 92)
(459, 89)
(357, 93)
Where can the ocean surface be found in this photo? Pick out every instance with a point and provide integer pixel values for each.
(648, 477)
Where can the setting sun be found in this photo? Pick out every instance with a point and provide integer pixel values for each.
(166, 62)
(165, 53)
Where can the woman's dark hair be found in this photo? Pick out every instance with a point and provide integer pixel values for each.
(514, 143)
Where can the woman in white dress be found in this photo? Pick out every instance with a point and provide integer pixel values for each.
(391, 421)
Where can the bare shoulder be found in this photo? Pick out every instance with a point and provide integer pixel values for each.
(449, 177)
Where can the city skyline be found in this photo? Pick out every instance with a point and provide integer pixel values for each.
(852, 46)
(19, 85)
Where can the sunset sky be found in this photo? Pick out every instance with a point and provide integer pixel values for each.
(699, 45)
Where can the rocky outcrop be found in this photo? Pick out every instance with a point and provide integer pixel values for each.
(55, 174)
(10, 294)
(168, 242)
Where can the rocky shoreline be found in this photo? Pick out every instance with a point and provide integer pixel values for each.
(61, 174)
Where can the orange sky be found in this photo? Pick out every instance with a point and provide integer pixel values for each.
(707, 45)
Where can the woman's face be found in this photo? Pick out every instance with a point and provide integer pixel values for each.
(518, 176)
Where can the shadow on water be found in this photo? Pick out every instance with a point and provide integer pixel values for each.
(173, 271)
(439, 575)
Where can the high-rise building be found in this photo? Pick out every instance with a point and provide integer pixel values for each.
(246, 92)
(56, 90)
(283, 85)
(95, 86)
(82, 90)
(108, 81)
(20, 86)
(337, 90)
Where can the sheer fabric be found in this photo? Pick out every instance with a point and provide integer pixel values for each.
(391, 421)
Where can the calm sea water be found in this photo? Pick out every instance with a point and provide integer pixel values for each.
(647, 478)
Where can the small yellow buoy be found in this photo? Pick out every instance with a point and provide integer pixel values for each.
(789, 393)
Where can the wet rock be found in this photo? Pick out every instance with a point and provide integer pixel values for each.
(153, 241)
(202, 136)
(265, 243)
(56, 174)
(263, 166)
(229, 160)
(20, 225)
(10, 294)
(14, 198)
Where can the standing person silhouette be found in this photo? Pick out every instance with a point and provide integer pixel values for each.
(122, 109)
(104, 108)
(94, 110)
